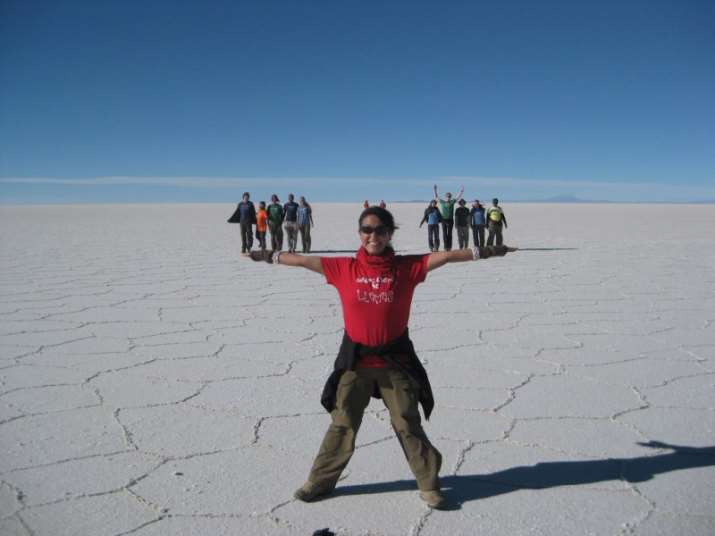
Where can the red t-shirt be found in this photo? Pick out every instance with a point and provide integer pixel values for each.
(376, 299)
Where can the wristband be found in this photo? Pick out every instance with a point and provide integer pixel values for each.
(275, 257)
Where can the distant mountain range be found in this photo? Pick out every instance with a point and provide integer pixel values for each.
(572, 199)
(568, 199)
(555, 199)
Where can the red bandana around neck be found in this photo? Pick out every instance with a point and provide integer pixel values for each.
(382, 263)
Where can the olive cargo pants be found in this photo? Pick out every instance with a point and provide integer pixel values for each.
(495, 231)
(400, 394)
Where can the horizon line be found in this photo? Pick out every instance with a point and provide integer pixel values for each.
(359, 202)
(191, 189)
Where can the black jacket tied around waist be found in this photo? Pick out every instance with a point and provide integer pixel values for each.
(394, 352)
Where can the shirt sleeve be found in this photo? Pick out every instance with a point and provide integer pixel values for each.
(416, 267)
(334, 269)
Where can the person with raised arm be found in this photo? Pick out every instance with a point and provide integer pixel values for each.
(376, 356)
(446, 209)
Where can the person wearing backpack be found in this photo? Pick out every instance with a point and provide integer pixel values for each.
(496, 219)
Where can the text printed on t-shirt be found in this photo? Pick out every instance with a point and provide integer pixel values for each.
(372, 296)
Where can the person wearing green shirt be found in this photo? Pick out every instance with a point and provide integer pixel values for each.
(446, 210)
(275, 221)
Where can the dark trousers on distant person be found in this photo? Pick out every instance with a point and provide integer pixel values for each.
(292, 232)
(246, 237)
(276, 236)
(495, 232)
(305, 237)
(447, 233)
(478, 235)
(463, 236)
(433, 236)
(261, 237)
(400, 394)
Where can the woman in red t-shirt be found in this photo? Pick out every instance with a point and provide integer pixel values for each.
(376, 357)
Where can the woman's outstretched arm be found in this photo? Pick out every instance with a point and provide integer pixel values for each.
(288, 259)
(440, 258)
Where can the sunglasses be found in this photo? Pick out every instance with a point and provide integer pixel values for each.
(380, 230)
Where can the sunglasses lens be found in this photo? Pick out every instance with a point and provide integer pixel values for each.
(380, 230)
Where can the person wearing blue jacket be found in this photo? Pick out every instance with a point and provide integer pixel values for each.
(433, 218)
(479, 223)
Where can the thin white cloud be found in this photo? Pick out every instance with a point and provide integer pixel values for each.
(195, 182)
(407, 188)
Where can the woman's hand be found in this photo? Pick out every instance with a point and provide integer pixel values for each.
(261, 255)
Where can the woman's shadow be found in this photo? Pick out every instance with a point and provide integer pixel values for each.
(459, 489)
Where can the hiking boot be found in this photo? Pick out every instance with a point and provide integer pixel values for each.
(434, 499)
(309, 492)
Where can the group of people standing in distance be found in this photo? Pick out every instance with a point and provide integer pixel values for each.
(294, 217)
(441, 212)
(297, 218)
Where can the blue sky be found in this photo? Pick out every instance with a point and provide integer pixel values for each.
(132, 101)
